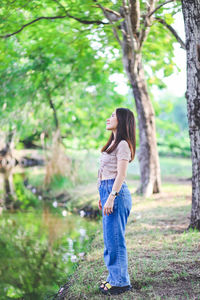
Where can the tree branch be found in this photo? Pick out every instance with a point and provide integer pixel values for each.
(147, 22)
(129, 29)
(173, 31)
(159, 6)
(98, 22)
(51, 104)
(25, 25)
(52, 18)
(107, 15)
(135, 15)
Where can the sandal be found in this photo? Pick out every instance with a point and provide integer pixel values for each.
(102, 287)
(114, 290)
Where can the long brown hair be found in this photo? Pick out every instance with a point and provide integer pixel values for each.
(126, 130)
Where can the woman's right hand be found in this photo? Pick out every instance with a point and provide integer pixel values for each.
(100, 206)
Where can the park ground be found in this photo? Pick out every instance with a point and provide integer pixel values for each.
(164, 257)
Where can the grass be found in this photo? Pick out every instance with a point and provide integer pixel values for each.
(171, 167)
(164, 258)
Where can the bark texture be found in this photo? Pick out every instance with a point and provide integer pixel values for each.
(132, 59)
(148, 153)
(191, 13)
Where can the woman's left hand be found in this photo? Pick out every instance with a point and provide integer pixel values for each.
(108, 207)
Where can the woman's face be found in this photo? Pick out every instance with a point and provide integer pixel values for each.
(111, 123)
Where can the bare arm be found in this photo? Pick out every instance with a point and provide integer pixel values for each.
(122, 166)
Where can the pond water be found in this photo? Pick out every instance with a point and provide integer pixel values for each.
(41, 244)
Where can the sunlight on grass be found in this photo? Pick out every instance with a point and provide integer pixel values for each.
(162, 254)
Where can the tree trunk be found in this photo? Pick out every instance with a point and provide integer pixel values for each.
(191, 14)
(148, 153)
(9, 191)
(7, 145)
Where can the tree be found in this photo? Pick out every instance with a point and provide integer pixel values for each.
(75, 95)
(135, 31)
(191, 14)
(134, 24)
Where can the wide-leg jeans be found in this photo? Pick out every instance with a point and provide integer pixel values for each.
(114, 224)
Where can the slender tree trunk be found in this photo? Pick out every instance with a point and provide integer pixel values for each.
(7, 146)
(51, 104)
(9, 191)
(148, 153)
(191, 13)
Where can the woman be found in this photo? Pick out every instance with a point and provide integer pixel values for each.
(115, 198)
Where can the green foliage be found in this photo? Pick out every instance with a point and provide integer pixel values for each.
(70, 63)
(158, 52)
(31, 265)
(48, 63)
(23, 195)
(59, 182)
(39, 78)
(172, 126)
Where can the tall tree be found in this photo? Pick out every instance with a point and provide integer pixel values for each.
(191, 13)
(134, 24)
(135, 30)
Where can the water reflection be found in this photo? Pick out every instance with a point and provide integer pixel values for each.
(8, 187)
(43, 238)
(15, 187)
(46, 243)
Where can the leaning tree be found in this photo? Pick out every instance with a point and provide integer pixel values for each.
(136, 26)
(191, 14)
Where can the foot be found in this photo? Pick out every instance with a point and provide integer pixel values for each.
(109, 289)
(103, 285)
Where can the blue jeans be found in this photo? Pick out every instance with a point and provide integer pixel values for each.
(114, 224)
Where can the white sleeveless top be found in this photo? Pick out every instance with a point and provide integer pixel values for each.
(108, 161)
